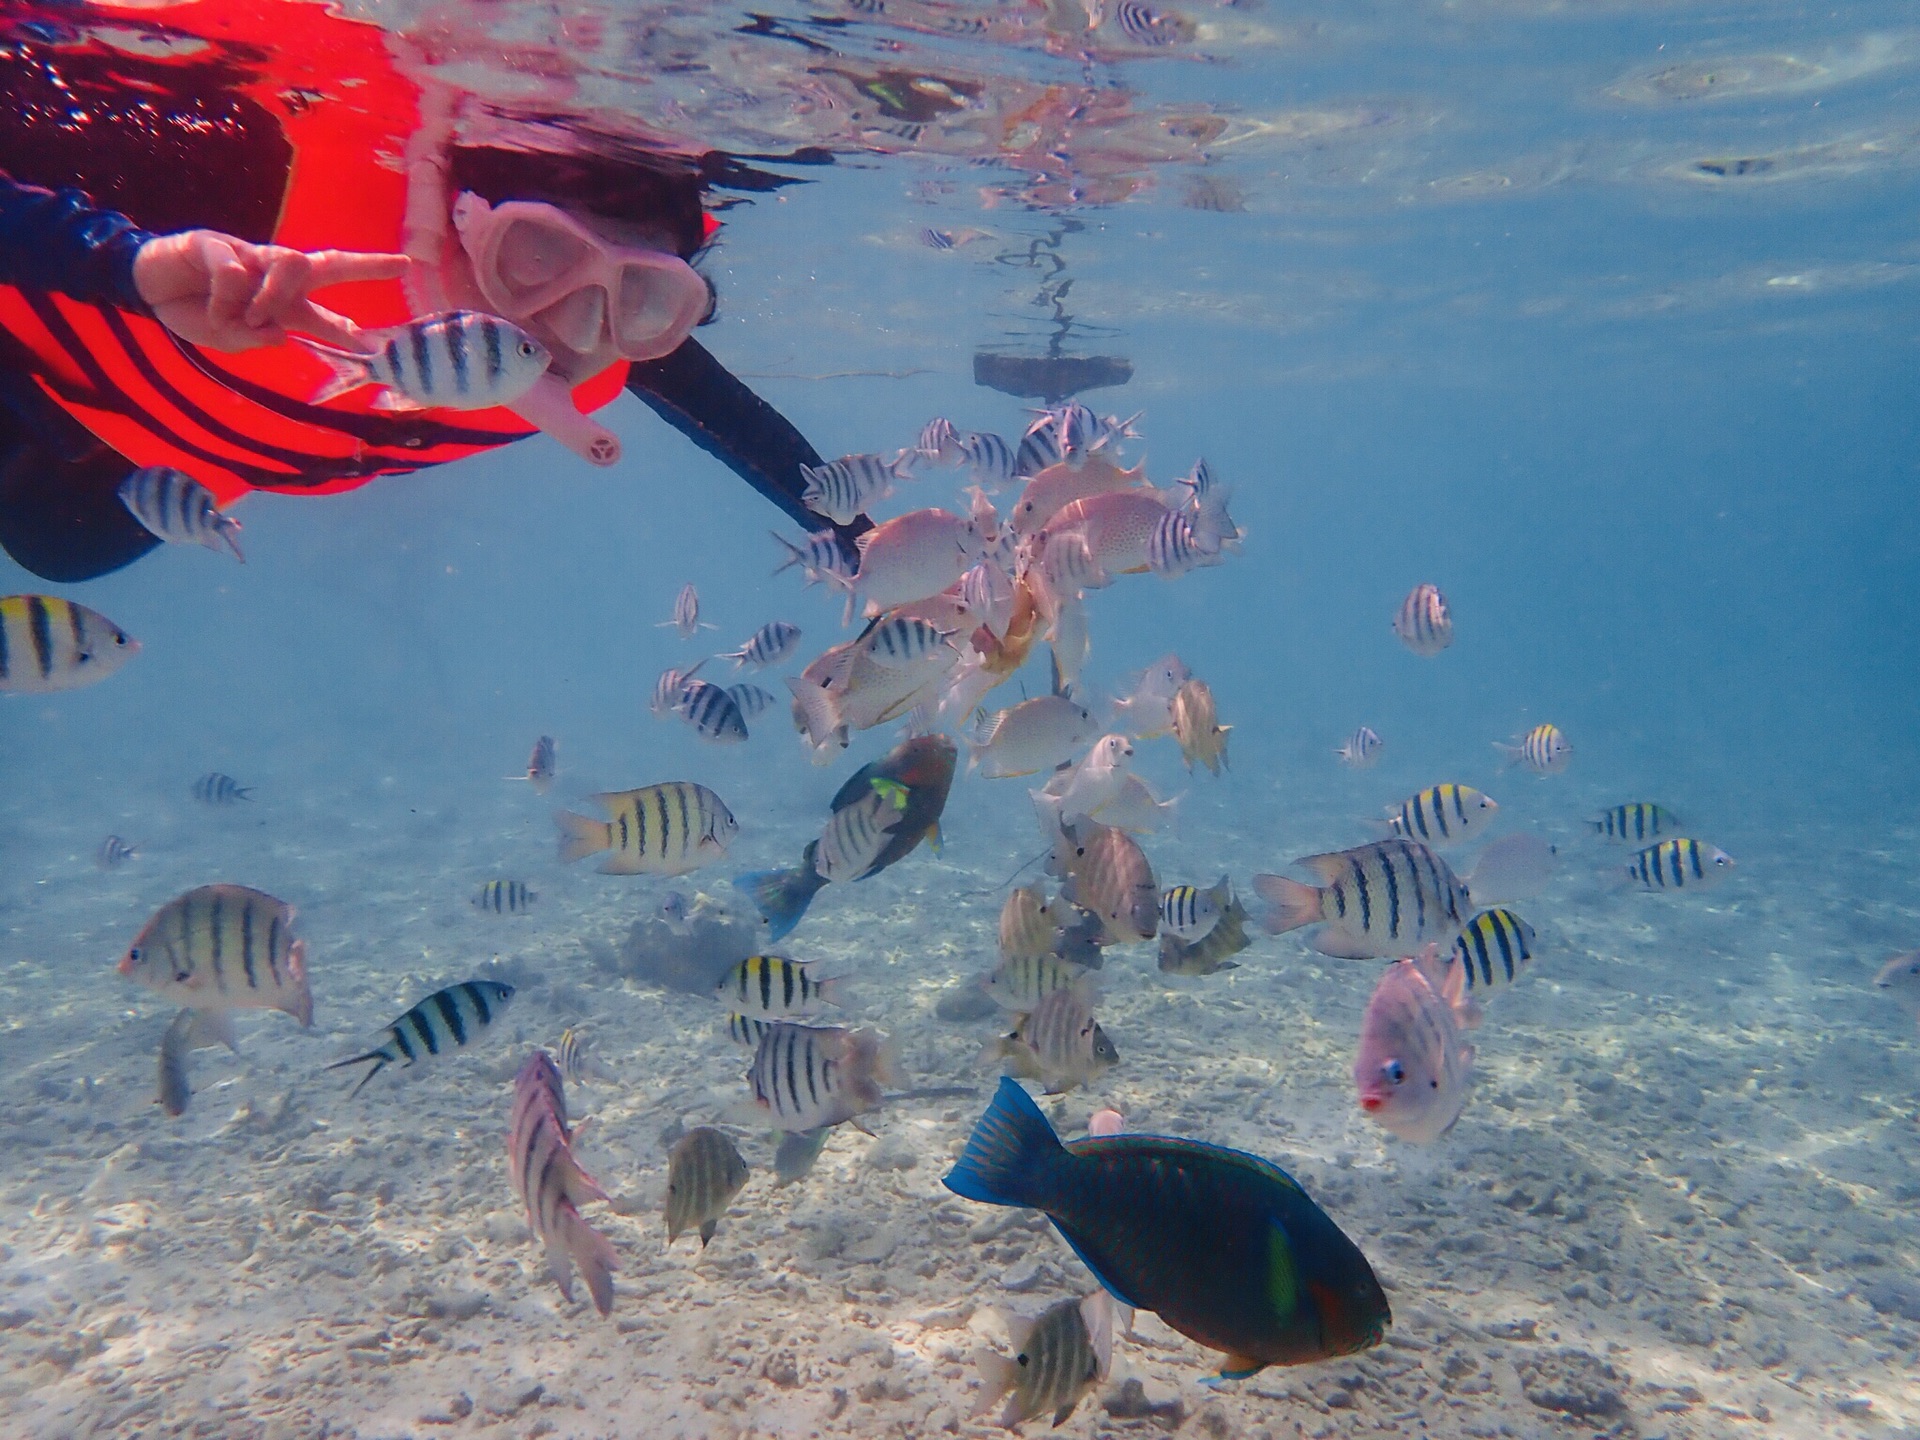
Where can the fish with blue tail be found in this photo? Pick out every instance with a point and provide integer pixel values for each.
(912, 782)
(1223, 1246)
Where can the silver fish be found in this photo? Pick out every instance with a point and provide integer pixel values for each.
(1543, 750)
(114, 852)
(459, 359)
(1213, 951)
(820, 559)
(179, 509)
(1020, 982)
(1363, 750)
(505, 897)
(1374, 900)
(712, 712)
(447, 1020)
(551, 1184)
(901, 642)
(1424, 623)
(1442, 814)
(686, 614)
(540, 764)
(751, 700)
(773, 987)
(49, 644)
(1058, 1359)
(704, 1173)
(214, 788)
(854, 837)
(670, 687)
(1058, 1042)
(1144, 25)
(1189, 912)
(849, 486)
(1681, 864)
(1637, 822)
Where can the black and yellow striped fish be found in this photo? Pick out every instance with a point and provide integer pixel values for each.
(668, 829)
(1680, 864)
(505, 897)
(220, 948)
(49, 644)
(1442, 814)
(1636, 822)
(775, 988)
(448, 1019)
(745, 1030)
(1493, 948)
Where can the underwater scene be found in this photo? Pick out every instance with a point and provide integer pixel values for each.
(915, 718)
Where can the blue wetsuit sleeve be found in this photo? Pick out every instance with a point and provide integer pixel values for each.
(55, 240)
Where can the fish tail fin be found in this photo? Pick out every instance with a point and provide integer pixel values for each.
(998, 1374)
(782, 896)
(350, 371)
(1293, 904)
(225, 529)
(593, 1253)
(795, 555)
(579, 836)
(1009, 1154)
(300, 1004)
(834, 991)
(379, 1059)
(1512, 752)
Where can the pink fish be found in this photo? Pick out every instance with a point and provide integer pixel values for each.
(1106, 1122)
(551, 1184)
(1118, 527)
(1062, 484)
(913, 556)
(1414, 1062)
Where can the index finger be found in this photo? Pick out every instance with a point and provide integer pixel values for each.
(337, 267)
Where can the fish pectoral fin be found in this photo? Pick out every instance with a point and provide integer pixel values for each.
(396, 401)
(1239, 1367)
(860, 1125)
(1340, 945)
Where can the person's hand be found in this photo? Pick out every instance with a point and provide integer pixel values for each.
(213, 290)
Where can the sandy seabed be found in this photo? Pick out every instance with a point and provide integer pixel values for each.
(1679, 1203)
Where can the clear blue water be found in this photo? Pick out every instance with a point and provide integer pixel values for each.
(1490, 304)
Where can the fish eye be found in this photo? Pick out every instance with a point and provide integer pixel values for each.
(1433, 1084)
(1395, 1072)
(1022, 1359)
(134, 955)
(527, 349)
(120, 639)
(180, 977)
(83, 657)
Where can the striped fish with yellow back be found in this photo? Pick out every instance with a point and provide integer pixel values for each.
(1493, 948)
(449, 1019)
(1187, 912)
(772, 987)
(49, 644)
(745, 1030)
(221, 948)
(1442, 814)
(1543, 750)
(1679, 864)
(505, 897)
(668, 829)
(1387, 898)
(1637, 822)
(704, 1173)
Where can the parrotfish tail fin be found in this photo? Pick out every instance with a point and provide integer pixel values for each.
(227, 528)
(1293, 904)
(300, 1004)
(350, 371)
(1010, 1153)
(579, 836)
(781, 896)
(593, 1253)
(379, 1060)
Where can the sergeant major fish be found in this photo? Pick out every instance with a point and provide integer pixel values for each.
(851, 485)
(178, 509)
(1213, 951)
(456, 359)
(1019, 983)
(807, 1076)
(1680, 864)
(1442, 814)
(1189, 912)
(1363, 750)
(1493, 948)
(685, 619)
(704, 1173)
(114, 852)
(1543, 750)
(668, 829)
(1637, 822)
(1058, 1042)
(505, 897)
(1374, 900)
(213, 788)
(1424, 622)
(768, 645)
(447, 1020)
(49, 644)
(551, 1184)
(775, 988)
(712, 712)
(221, 948)
(1058, 1359)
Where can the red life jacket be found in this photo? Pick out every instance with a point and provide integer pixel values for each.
(241, 422)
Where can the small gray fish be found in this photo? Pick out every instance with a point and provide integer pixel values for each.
(1058, 1042)
(1363, 750)
(751, 699)
(704, 1173)
(540, 764)
(821, 559)
(674, 911)
(1144, 25)
(988, 458)
(1424, 623)
(712, 712)
(768, 645)
(798, 1152)
(505, 897)
(1442, 814)
(1543, 750)
(448, 1019)
(1021, 982)
(849, 486)
(179, 509)
(1058, 1359)
(686, 614)
(669, 688)
(1173, 549)
(214, 788)
(459, 359)
(114, 852)
(937, 239)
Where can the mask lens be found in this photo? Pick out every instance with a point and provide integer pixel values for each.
(531, 255)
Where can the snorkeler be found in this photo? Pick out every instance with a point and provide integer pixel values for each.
(119, 346)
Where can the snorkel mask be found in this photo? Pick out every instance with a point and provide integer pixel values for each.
(590, 300)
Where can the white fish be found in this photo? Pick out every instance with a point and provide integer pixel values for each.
(1035, 735)
(179, 509)
(913, 556)
(686, 614)
(1096, 780)
(1424, 623)
(1136, 809)
(458, 359)
(1543, 750)
(1147, 713)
